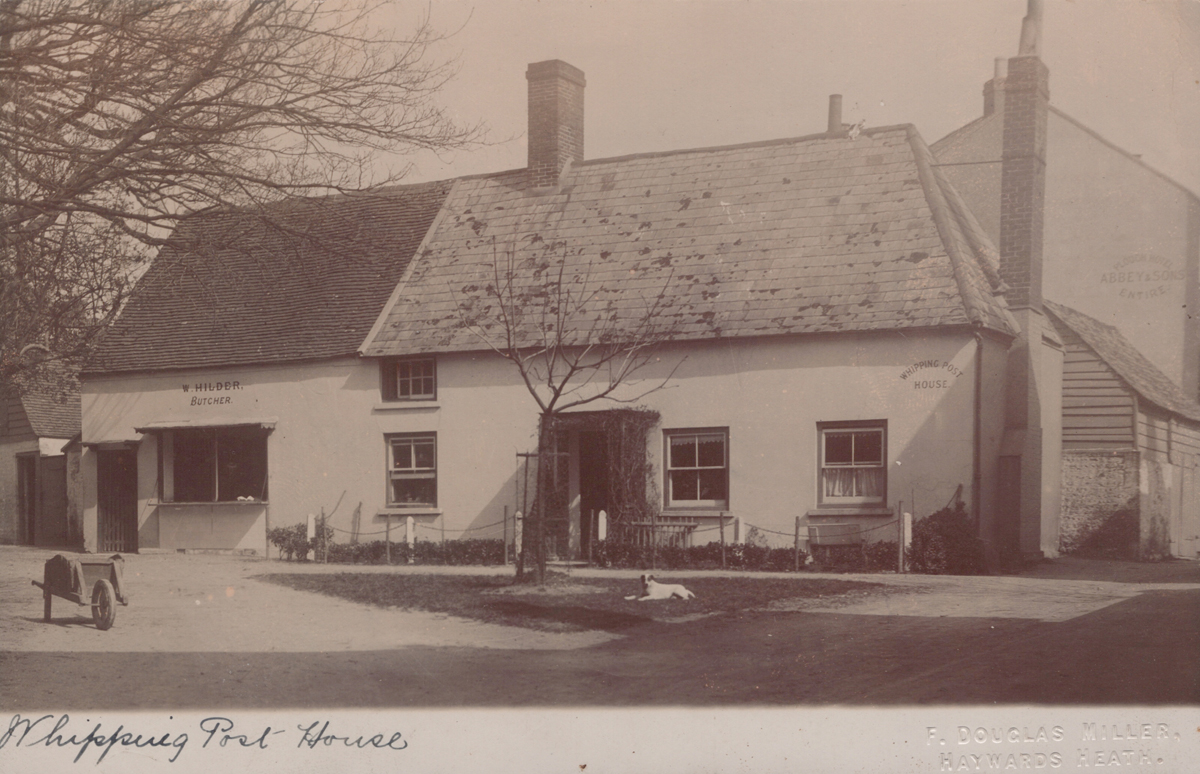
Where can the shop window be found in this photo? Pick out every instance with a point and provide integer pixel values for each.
(698, 468)
(412, 470)
(853, 463)
(219, 465)
(409, 378)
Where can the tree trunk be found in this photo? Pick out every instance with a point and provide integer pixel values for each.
(535, 538)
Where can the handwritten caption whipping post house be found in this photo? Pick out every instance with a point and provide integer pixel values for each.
(215, 732)
(1128, 746)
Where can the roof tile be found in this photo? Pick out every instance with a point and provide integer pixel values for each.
(297, 281)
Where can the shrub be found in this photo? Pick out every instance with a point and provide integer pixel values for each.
(292, 541)
(944, 543)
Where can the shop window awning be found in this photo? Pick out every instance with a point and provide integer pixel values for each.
(265, 423)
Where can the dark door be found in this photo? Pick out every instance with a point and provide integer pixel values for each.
(593, 484)
(52, 503)
(27, 496)
(116, 493)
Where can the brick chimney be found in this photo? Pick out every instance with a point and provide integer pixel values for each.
(1027, 514)
(555, 120)
(993, 90)
(1023, 179)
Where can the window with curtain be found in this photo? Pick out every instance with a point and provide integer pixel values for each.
(853, 464)
(412, 470)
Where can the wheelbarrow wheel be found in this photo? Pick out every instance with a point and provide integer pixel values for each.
(104, 605)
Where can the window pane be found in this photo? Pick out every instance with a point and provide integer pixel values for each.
(684, 485)
(423, 454)
(839, 482)
(195, 473)
(868, 448)
(241, 464)
(683, 451)
(402, 454)
(839, 448)
(711, 451)
(402, 388)
(712, 484)
(869, 482)
(414, 491)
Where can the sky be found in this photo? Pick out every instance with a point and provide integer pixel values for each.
(673, 74)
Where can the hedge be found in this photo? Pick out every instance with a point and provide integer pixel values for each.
(607, 553)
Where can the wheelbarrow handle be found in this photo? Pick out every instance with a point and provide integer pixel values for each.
(39, 584)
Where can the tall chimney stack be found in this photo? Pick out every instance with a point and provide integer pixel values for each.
(1031, 449)
(1023, 179)
(555, 120)
(993, 90)
(835, 114)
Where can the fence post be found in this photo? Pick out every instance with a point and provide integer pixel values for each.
(653, 540)
(722, 517)
(410, 536)
(387, 537)
(504, 535)
(797, 544)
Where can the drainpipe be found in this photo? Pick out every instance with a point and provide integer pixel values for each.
(977, 435)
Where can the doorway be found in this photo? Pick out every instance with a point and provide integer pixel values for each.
(27, 497)
(116, 494)
(593, 485)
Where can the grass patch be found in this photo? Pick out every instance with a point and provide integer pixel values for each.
(564, 603)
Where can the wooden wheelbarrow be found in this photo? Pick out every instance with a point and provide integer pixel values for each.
(71, 578)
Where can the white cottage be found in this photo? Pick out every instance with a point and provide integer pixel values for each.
(841, 350)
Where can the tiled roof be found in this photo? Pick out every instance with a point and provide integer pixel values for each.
(49, 394)
(808, 235)
(1131, 366)
(296, 282)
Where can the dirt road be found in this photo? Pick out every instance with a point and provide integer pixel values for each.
(201, 631)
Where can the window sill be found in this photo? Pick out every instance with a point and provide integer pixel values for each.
(698, 511)
(218, 503)
(851, 510)
(409, 512)
(406, 405)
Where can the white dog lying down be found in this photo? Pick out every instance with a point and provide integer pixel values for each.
(652, 589)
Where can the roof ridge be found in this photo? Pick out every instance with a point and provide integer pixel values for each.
(295, 201)
(740, 145)
(417, 256)
(942, 212)
(981, 243)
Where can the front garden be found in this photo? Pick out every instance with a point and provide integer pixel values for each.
(566, 603)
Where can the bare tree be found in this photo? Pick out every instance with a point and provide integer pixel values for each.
(120, 117)
(573, 340)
